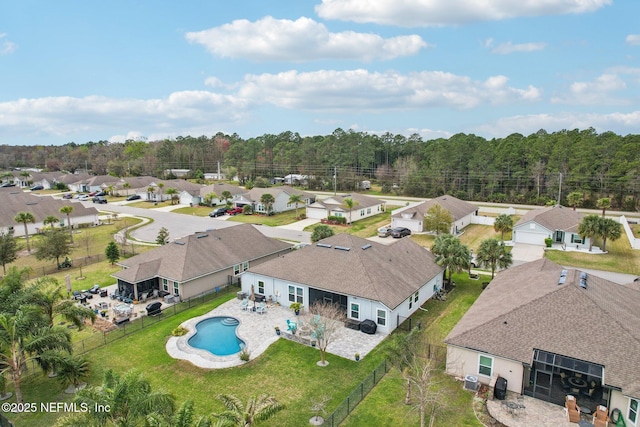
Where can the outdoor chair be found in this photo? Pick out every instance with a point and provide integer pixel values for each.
(572, 409)
(564, 381)
(244, 304)
(262, 308)
(601, 416)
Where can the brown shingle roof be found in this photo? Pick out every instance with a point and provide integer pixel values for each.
(13, 200)
(524, 308)
(201, 254)
(456, 207)
(256, 193)
(385, 273)
(553, 218)
(361, 201)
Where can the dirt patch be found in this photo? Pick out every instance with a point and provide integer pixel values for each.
(103, 325)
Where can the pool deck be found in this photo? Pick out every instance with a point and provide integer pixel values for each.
(258, 332)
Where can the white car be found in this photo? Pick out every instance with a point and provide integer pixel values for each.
(83, 197)
(384, 231)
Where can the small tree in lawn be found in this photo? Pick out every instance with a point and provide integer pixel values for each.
(604, 204)
(589, 227)
(609, 229)
(295, 199)
(53, 245)
(321, 232)
(267, 201)
(350, 204)
(574, 199)
(494, 254)
(51, 220)
(8, 249)
(24, 218)
(438, 219)
(503, 224)
(451, 254)
(325, 321)
(163, 236)
(67, 211)
(112, 252)
(172, 192)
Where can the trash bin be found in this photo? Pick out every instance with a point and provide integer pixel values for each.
(500, 389)
(471, 383)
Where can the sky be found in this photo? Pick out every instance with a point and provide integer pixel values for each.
(79, 71)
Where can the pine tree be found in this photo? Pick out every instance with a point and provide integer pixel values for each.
(112, 252)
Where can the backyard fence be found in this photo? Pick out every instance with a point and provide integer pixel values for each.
(139, 323)
(356, 396)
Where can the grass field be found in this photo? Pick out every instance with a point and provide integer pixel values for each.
(364, 228)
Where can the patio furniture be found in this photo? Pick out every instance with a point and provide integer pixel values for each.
(262, 308)
(244, 304)
(601, 416)
(572, 409)
(564, 381)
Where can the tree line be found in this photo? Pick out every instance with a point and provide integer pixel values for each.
(533, 169)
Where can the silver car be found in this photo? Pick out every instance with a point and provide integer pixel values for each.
(384, 231)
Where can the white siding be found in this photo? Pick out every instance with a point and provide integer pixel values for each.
(463, 361)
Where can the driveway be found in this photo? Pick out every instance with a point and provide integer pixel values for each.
(524, 252)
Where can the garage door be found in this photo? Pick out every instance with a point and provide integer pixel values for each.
(530, 238)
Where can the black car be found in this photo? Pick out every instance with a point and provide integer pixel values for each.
(154, 308)
(36, 188)
(399, 232)
(99, 199)
(8, 184)
(67, 196)
(218, 212)
(101, 193)
(134, 197)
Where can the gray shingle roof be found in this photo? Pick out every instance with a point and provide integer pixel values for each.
(201, 254)
(256, 193)
(385, 273)
(524, 309)
(13, 200)
(361, 201)
(553, 218)
(456, 207)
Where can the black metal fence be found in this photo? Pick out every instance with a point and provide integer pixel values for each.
(356, 396)
(139, 323)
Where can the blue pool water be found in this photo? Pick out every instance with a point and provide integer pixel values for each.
(218, 336)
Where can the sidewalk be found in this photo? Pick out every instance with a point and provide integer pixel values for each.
(300, 225)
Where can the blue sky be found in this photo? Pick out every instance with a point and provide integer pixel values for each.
(152, 69)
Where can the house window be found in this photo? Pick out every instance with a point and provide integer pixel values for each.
(355, 310)
(576, 238)
(239, 268)
(296, 294)
(410, 302)
(381, 317)
(368, 211)
(165, 285)
(633, 410)
(485, 365)
(361, 212)
(245, 266)
(260, 287)
(176, 288)
(416, 296)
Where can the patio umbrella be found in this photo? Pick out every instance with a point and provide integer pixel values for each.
(253, 297)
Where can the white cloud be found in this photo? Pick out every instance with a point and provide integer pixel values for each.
(373, 91)
(507, 48)
(419, 13)
(633, 39)
(6, 46)
(304, 39)
(600, 91)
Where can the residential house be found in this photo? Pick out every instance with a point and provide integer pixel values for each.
(218, 188)
(370, 281)
(363, 207)
(280, 194)
(14, 201)
(198, 263)
(556, 222)
(539, 322)
(214, 176)
(178, 173)
(94, 183)
(462, 213)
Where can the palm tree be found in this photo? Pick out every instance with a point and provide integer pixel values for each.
(574, 199)
(267, 201)
(150, 191)
(609, 229)
(589, 228)
(450, 254)
(23, 339)
(49, 298)
(160, 187)
(172, 192)
(72, 371)
(350, 204)
(184, 417)
(295, 199)
(259, 408)
(493, 253)
(208, 199)
(51, 220)
(25, 217)
(604, 204)
(226, 196)
(130, 400)
(67, 211)
(502, 224)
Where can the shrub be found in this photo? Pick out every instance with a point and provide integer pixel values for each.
(179, 331)
(548, 242)
(245, 355)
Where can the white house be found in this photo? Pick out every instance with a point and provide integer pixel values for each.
(370, 281)
(538, 324)
(363, 207)
(413, 217)
(556, 222)
(280, 194)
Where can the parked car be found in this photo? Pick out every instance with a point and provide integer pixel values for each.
(234, 211)
(36, 188)
(83, 197)
(399, 232)
(99, 199)
(134, 197)
(101, 193)
(384, 231)
(8, 184)
(218, 212)
(154, 308)
(67, 196)
(93, 193)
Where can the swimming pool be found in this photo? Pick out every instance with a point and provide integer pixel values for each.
(218, 336)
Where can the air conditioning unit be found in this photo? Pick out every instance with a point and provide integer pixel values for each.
(471, 383)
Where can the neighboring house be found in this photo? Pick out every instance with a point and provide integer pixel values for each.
(296, 179)
(217, 176)
(413, 217)
(198, 263)
(280, 194)
(94, 183)
(538, 320)
(556, 222)
(179, 173)
(135, 185)
(369, 280)
(363, 207)
(218, 188)
(14, 201)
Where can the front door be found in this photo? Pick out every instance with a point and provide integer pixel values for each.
(542, 384)
(559, 236)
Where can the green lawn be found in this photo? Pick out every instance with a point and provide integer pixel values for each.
(364, 228)
(194, 210)
(282, 218)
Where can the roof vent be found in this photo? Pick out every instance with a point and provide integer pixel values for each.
(178, 242)
(323, 245)
(563, 273)
(342, 248)
(201, 236)
(367, 246)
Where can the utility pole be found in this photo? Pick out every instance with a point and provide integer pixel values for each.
(560, 189)
(335, 176)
